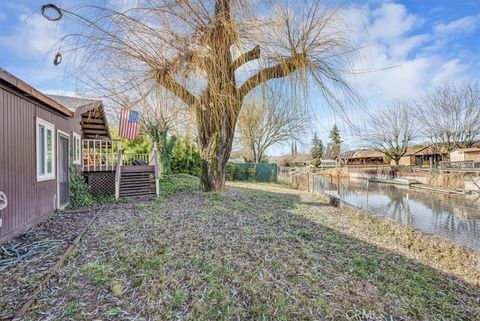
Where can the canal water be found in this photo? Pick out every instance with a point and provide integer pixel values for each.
(452, 217)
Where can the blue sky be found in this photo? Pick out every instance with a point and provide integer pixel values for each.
(426, 42)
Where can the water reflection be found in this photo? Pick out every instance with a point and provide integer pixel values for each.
(454, 217)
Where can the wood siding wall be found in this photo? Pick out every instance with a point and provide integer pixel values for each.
(29, 201)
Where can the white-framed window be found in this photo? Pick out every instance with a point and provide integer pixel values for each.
(77, 148)
(45, 150)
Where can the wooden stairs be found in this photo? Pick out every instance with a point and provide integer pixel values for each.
(138, 181)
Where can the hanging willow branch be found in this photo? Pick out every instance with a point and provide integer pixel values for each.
(212, 53)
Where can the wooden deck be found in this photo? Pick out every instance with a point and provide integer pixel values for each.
(101, 155)
(136, 175)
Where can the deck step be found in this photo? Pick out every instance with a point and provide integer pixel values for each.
(135, 189)
(137, 184)
(137, 193)
(137, 181)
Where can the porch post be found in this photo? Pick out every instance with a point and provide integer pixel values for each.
(157, 178)
(118, 171)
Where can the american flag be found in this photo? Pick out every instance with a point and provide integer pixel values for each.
(128, 124)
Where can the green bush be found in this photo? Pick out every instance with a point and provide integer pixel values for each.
(140, 145)
(252, 174)
(178, 183)
(185, 158)
(238, 173)
(165, 149)
(315, 162)
(230, 172)
(80, 194)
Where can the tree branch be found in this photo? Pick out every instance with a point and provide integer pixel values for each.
(246, 57)
(164, 79)
(282, 69)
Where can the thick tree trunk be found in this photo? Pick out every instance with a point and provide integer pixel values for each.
(214, 166)
(215, 138)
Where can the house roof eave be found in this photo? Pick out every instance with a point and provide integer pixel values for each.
(15, 82)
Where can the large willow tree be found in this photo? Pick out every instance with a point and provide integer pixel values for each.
(212, 53)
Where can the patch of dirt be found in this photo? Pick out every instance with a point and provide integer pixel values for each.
(26, 259)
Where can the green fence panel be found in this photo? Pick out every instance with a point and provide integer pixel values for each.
(263, 172)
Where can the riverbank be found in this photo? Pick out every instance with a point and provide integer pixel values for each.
(254, 252)
(428, 249)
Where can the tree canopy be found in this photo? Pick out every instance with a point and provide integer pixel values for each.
(212, 53)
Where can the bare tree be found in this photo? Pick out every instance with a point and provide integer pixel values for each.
(270, 121)
(450, 115)
(392, 130)
(161, 113)
(212, 53)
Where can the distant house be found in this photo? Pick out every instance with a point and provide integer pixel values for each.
(41, 137)
(466, 154)
(298, 160)
(328, 163)
(418, 156)
(366, 157)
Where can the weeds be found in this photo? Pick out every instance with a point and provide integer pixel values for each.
(70, 309)
(101, 273)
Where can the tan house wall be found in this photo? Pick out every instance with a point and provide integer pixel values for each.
(457, 156)
(406, 161)
(460, 156)
(475, 156)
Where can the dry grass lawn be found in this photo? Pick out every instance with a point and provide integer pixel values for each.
(257, 252)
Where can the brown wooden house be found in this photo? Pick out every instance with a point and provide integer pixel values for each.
(41, 137)
(422, 156)
(366, 158)
(35, 142)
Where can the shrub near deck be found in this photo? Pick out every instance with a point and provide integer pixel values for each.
(245, 254)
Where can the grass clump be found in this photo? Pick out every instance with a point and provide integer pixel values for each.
(70, 309)
(101, 273)
(178, 183)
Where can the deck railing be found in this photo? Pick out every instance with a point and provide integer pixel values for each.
(135, 159)
(99, 154)
(102, 155)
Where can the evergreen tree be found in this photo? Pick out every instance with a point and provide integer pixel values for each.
(335, 142)
(296, 151)
(317, 148)
(293, 151)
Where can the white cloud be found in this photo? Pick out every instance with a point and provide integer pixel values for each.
(465, 24)
(396, 52)
(70, 93)
(404, 46)
(391, 21)
(450, 70)
(34, 35)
